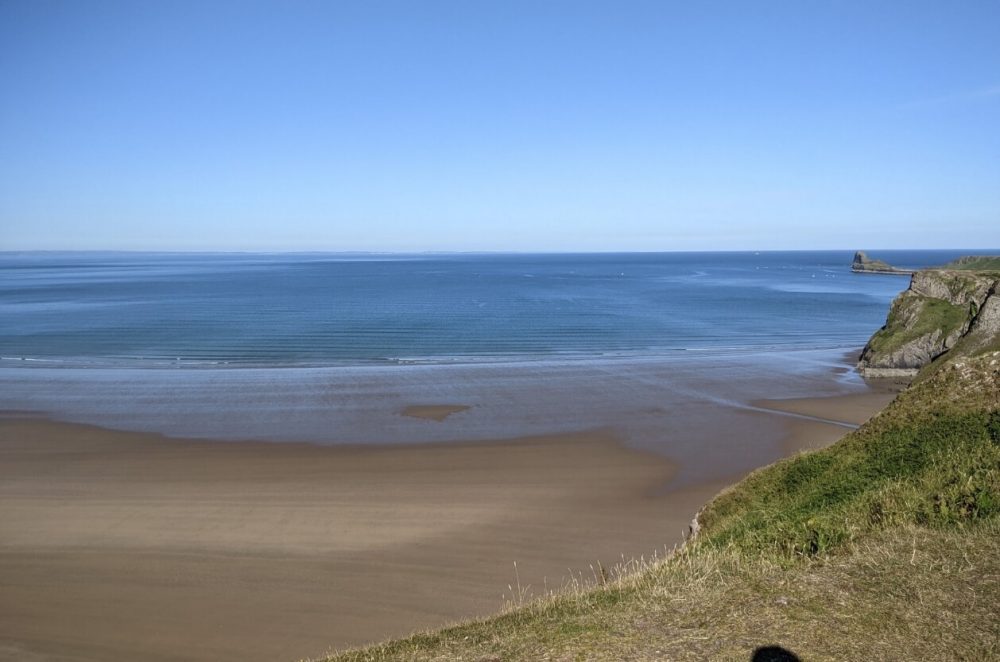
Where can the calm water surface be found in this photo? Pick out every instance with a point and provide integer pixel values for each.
(266, 310)
(666, 350)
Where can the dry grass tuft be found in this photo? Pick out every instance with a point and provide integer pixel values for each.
(911, 593)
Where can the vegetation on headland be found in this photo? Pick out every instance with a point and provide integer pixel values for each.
(976, 263)
(913, 318)
(864, 264)
(882, 546)
(953, 312)
(932, 458)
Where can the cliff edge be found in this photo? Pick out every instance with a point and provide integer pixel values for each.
(944, 311)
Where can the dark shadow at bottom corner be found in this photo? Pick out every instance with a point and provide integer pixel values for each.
(774, 654)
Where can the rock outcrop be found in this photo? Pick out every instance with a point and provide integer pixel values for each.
(943, 311)
(863, 264)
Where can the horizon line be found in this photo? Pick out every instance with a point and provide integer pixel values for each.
(467, 252)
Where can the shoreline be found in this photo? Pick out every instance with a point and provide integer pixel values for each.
(126, 544)
(15, 362)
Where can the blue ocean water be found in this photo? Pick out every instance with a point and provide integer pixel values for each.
(668, 351)
(151, 310)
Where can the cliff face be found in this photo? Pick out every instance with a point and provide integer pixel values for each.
(943, 311)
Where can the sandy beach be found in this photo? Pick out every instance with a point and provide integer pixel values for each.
(810, 432)
(120, 544)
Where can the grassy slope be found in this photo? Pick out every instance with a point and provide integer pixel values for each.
(930, 314)
(931, 458)
(907, 594)
(883, 546)
(976, 263)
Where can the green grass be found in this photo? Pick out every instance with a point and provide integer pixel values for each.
(921, 462)
(913, 316)
(885, 545)
(975, 263)
(965, 285)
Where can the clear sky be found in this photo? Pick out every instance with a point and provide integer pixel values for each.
(499, 126)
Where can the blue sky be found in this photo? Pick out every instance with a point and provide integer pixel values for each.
(544, 126)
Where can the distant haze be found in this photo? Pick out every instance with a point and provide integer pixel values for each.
(505, 126)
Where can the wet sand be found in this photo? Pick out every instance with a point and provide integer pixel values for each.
(855, 408)
(844, 412)
(123, 545)
(433, 412)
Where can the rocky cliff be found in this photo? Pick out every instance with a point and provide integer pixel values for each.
(954, 312)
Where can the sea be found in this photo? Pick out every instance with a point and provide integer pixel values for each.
(178, 310)
(329, 348)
